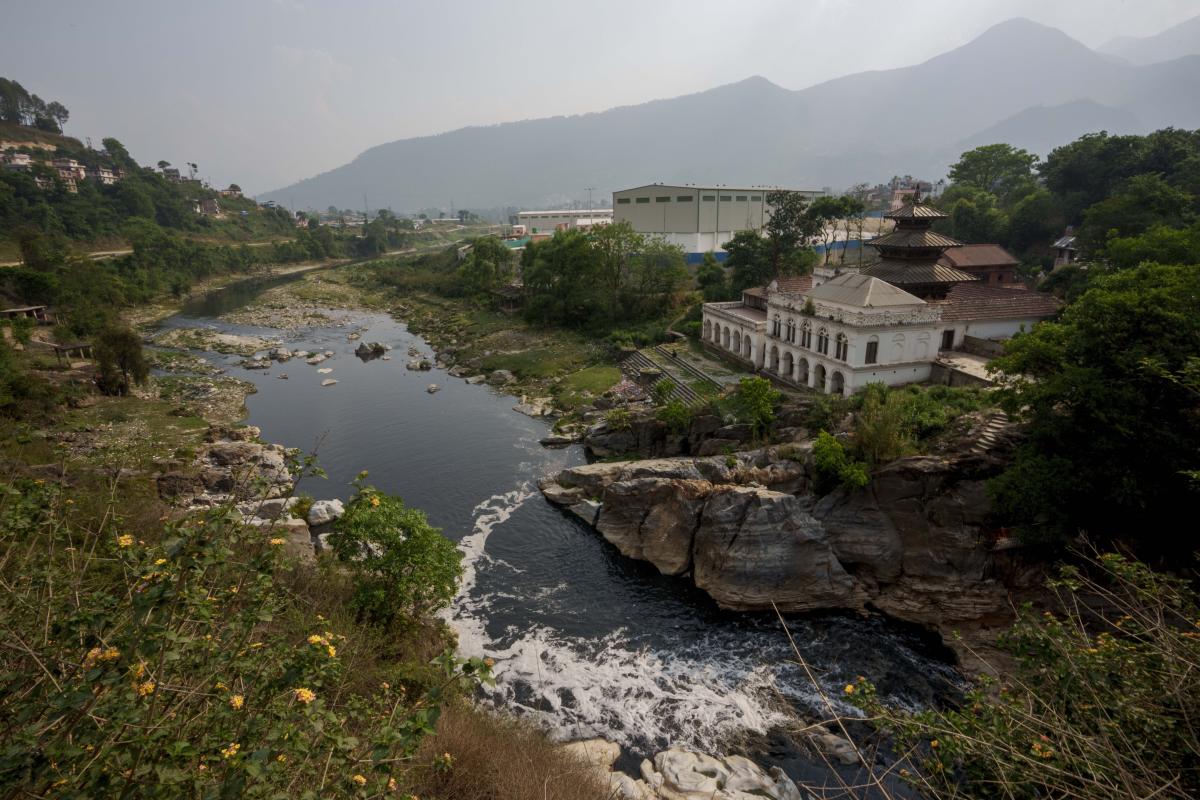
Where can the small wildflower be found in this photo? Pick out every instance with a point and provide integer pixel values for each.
(375, 502)
(158, 562)
(849, 688)
(125, 540)
(202, 767)
(278, 541)
(231, 750)
(934, 744)
(360, 780)
(331, 650)
(145, 689)
(237, 701)
(220, 686)
(304, 695)
(70, 502)
(233, 590)
(315, 639)
(489, 662)
(281, 758)
(139, 670)
(385, 686)
(391, 784)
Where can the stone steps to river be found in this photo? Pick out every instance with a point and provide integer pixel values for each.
(636, 362)
(991, 430)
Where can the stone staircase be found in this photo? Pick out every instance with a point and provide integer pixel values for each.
(990, 432)
(637, 361)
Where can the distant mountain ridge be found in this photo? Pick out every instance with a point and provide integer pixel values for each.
(1020, 82)
(1176, 42)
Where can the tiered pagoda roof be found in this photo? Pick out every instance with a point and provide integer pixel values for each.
(908, 256)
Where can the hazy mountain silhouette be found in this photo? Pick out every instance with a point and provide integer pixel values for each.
(1176, 42)
(1019, 81)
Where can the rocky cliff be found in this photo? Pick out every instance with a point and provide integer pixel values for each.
(915, 543)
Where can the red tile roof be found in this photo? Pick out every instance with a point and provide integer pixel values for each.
(977, 256)
(796, 285)
(967, 302)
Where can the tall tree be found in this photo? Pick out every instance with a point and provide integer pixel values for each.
(995, 168)
(789, 231)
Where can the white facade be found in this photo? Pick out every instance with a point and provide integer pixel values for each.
(857, 330)
(696, 218)
(547, 222)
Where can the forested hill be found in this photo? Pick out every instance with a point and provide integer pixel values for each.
(1024, 80)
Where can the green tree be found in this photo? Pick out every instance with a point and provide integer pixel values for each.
(712, 281)
(616, 246)
(832, 467)
(404, 569)
(749, 261)
(755, 400)
(789, 230)
(1033, 222)
(1160, 244)
(994, 168)
(1135, 206)
(487, 266)
(1110, 434)
(120, 360)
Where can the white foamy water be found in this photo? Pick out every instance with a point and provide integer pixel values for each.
(701, 694)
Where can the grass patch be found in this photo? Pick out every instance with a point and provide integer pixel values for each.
(596, 380)
(542, 362)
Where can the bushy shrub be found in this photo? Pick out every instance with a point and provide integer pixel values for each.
(662, 390)
(675, 415)
(1101, 705)
(618, 419)
(755, 400)
(178, 666)
(403, 568)
(833, 467)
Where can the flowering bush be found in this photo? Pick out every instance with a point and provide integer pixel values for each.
(404, 569)
(180, 667)
(1102, 704)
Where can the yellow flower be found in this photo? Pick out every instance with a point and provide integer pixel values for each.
(375, 502)
(278, 541)
(489, 662)
(231, 751)
(125, 540)
(70, 502)
(237, 701)
(849, 688)
(158, 562)
(233, 590)
(281, 758)
(331, 650)
(360, 780)
(220, 685)
(391, 784)
(145, 689)
(934, 744)
(139, 670)
(304, 695)
(315, 639)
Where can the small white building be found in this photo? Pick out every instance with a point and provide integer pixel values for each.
(547, 223)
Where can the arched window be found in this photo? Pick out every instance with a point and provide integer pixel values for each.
(775, 326)
(841, 347)
(823, 342)
(806, 335)
(791, 330)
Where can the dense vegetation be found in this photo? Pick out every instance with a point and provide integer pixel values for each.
(20, 107)
(1100, 704)
(1109, 188)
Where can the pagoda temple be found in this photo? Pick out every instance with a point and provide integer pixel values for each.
(909, 255)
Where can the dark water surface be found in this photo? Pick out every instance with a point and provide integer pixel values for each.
(586, 641)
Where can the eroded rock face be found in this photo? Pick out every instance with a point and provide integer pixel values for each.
(755, 547)
(913, 543)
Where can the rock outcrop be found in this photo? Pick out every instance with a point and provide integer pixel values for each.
(914, 543)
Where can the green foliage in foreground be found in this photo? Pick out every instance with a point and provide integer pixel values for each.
(185, 665)
(1113, 429)
(1101, 705)
(404, 569)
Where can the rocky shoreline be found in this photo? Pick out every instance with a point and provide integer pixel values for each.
(915, 544)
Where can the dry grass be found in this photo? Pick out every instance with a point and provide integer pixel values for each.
(498, 759)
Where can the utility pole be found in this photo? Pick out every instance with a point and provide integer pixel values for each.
(589, 191)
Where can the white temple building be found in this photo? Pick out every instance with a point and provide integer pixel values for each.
(835, 332)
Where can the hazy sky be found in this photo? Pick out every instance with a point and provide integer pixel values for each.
(265, 92)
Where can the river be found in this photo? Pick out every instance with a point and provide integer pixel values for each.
(586, 642)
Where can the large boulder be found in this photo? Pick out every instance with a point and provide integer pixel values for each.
(755, 547)
(654, 519)
(501, 377)
(323, 512)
